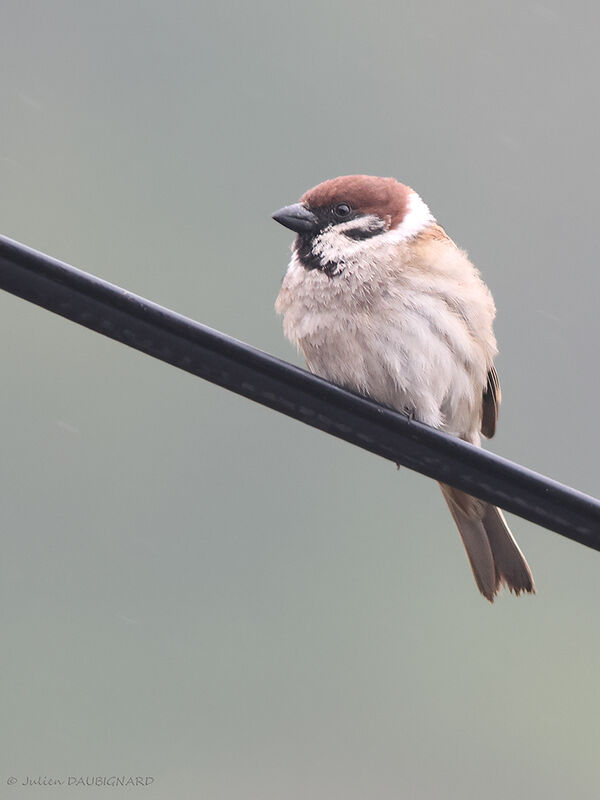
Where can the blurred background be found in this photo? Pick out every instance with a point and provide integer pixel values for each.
(196, 589)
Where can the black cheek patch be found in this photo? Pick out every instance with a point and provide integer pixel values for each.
(360, 234)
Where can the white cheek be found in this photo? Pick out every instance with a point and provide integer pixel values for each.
(332, 246)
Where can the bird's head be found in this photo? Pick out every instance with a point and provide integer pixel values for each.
(346, 218)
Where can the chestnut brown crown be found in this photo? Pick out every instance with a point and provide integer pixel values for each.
(364, 194)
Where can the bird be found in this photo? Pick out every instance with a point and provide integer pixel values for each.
(381, 301)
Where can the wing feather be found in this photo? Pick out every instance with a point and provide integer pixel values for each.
(491, 403)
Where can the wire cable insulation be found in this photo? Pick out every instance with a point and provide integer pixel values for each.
(220, 359)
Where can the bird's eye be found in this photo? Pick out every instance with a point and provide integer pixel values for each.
(342, 210)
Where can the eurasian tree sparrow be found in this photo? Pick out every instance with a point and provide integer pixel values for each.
(381, 301)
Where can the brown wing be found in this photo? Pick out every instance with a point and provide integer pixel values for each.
(491, 404)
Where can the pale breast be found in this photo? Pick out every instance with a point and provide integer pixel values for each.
(404, 333)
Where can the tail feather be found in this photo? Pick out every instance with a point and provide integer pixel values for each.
(511, 565)
(493, 553)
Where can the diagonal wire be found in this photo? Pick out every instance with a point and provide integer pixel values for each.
(177, 340)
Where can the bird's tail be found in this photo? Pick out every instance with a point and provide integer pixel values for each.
(493, 553)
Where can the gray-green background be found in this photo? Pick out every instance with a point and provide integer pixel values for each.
(196, 589)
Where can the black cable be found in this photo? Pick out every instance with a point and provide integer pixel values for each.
(211, 355)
